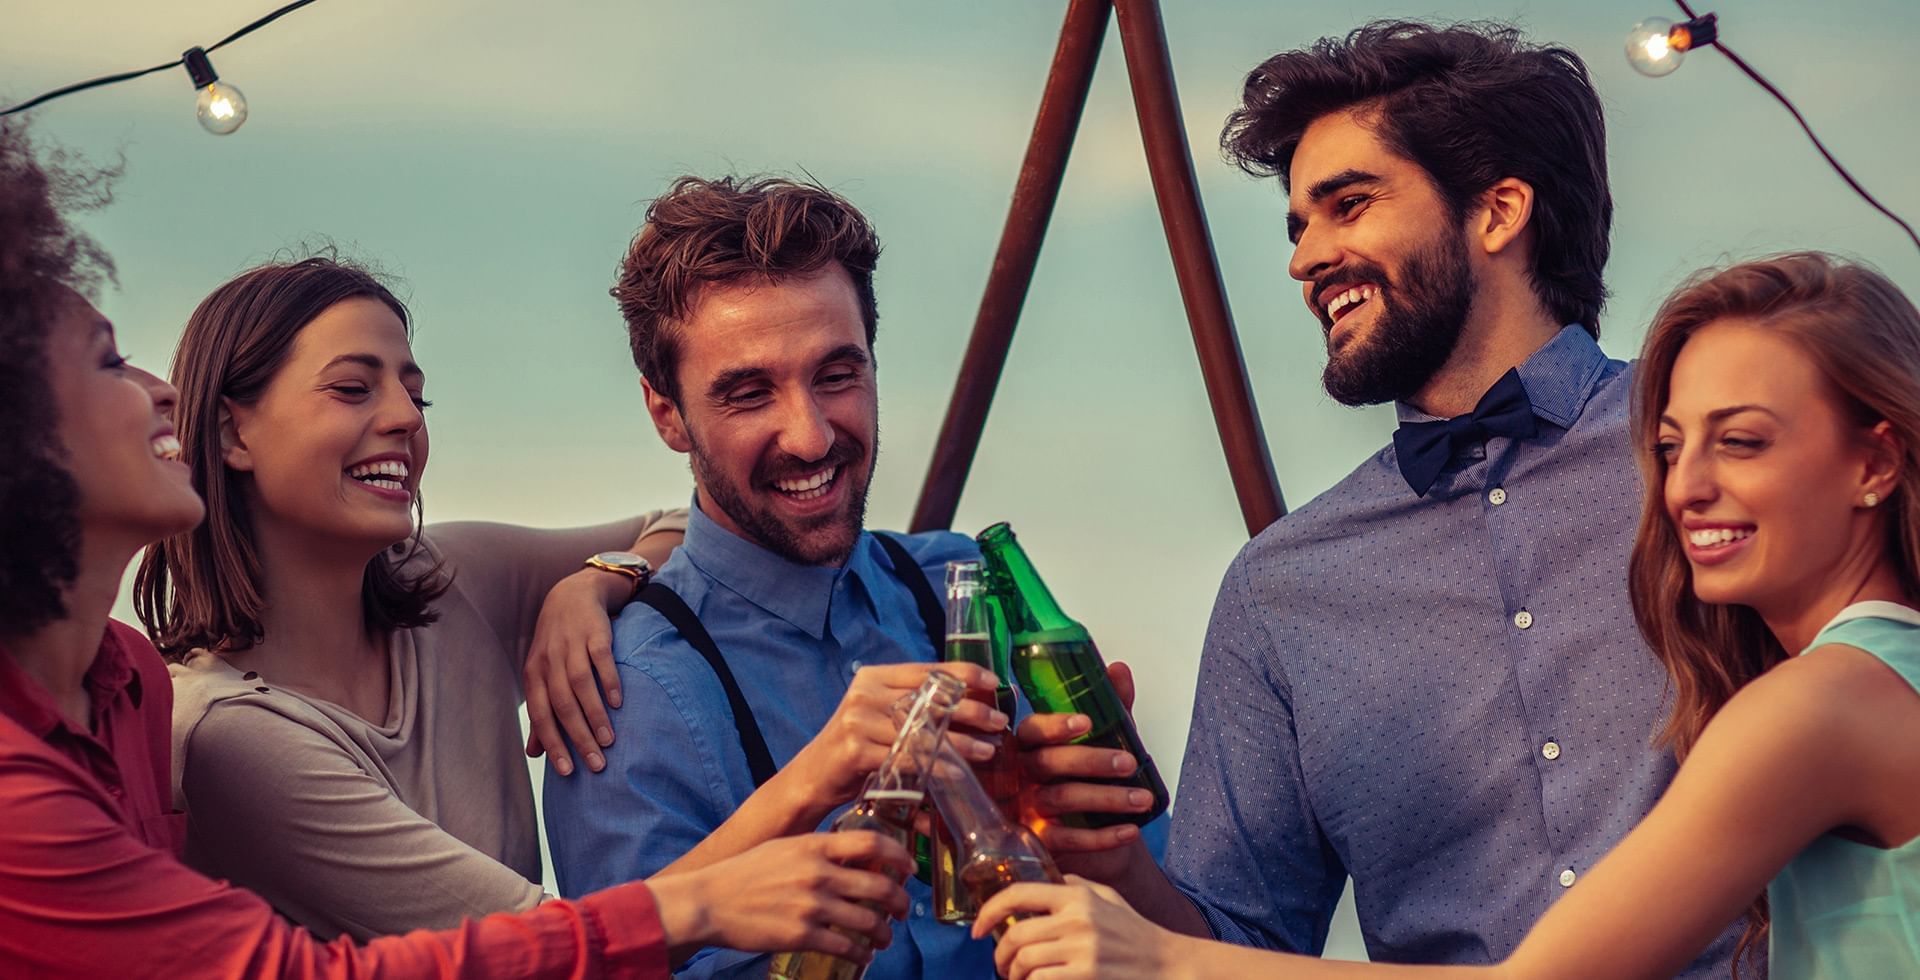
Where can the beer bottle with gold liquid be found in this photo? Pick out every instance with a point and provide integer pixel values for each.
(892, 797)
(990, 850)
(1060, 670)
(975, 635)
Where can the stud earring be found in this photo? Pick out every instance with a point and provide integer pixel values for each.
(1871, 499)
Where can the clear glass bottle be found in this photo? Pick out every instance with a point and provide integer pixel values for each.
(888, 804)
(990, 850)
(975, 635)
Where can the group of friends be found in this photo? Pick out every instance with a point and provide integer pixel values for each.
(1599, 669)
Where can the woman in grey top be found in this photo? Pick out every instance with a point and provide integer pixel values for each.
(347, 685)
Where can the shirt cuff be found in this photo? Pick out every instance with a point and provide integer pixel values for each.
(633, 940)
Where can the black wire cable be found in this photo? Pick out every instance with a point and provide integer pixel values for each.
(1761, 80)
(175, 63)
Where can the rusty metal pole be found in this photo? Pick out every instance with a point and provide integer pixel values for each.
(1143, 37)
(1033, 199)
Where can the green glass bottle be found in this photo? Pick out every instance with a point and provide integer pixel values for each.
(1060, 669)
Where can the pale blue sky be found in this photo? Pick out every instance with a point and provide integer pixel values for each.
(497, 155)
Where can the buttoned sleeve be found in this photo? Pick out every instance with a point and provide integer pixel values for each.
(1245, 845)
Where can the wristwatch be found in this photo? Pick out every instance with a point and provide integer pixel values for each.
(624, 563)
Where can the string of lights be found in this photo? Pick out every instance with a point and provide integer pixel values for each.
(220, 106)
(1656, 46)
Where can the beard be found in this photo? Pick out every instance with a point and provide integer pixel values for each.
(824, 539)
(1423, 312)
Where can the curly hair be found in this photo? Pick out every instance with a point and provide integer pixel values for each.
(43, 261)
(727, 230)
(1471, 104)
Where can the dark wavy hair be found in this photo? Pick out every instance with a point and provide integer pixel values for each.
(43, 261)
(200, 589)
(725, 230)
(1471, 104)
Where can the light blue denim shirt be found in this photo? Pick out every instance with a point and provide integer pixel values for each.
(1443, 697)
(793, 635)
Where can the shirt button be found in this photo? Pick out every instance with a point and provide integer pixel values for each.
(919, 909)
(1497, 496)
(1566, 878)
(856, 665)
(1550, 752)
(1523, 619)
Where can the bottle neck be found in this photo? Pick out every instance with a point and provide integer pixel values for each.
(923, 729)
(1024, 598)
(968, 812)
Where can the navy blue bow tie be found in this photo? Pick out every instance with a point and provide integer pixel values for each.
(1425, 448)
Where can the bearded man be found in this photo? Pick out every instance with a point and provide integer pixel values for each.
(757, 672)
(1427, 679)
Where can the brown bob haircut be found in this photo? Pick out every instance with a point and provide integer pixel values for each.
(1471, 104)
(200, 589)
(1863, 334)
(726, 230)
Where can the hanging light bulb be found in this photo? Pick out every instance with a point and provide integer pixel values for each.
(220, 107)
(1656, 46)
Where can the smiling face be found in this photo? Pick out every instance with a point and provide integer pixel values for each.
(779, 411)
(1383, 262)
(336, 444)
(1765, 472)
(116, 434)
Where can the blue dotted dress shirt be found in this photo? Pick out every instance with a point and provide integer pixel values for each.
(1444, 698)
(793, 635)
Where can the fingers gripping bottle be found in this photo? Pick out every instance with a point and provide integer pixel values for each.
(893, 795)
(1060, 669)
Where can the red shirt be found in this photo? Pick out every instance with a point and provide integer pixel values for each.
(90, 884)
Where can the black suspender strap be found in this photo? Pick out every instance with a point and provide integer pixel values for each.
(670, 605)
(933, 613)
(759, 760)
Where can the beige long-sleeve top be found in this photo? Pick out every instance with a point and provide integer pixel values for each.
(414, 822)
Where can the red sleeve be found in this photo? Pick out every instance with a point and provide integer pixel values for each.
(80, 897)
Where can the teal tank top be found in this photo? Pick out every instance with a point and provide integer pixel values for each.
(1844, 910)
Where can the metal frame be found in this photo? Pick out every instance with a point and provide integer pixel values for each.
(1143, 41)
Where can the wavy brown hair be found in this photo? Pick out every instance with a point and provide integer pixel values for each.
(43, 260)
(200, 589)
(1863, 335)
(718, 231)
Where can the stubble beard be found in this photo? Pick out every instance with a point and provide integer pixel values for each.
(803, 544)
(1419, 325)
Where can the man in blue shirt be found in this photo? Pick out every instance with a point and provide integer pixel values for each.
(1427, 679)
(759, 669)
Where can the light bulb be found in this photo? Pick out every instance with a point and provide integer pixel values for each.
(221, 108)
(1650, 48)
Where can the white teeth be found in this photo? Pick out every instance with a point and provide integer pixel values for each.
(1711, 536)
(1348, 298)
(810, 487)
(386, 467)
(166, 447)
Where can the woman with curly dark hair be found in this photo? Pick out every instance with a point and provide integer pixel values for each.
(90, 881)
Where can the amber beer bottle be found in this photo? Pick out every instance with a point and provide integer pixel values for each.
(991, 850)
(975, 635)
(1061, 671)
(888, 804)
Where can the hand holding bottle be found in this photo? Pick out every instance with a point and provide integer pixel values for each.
(1078, 931)
(855, 741)
(1068, 777)
(810, 892)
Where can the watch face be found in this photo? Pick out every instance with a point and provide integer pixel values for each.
(621, 559)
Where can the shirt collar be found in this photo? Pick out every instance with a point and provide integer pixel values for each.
(23, 699)
(1870, 609)
(1559, 378)
(800, 594)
